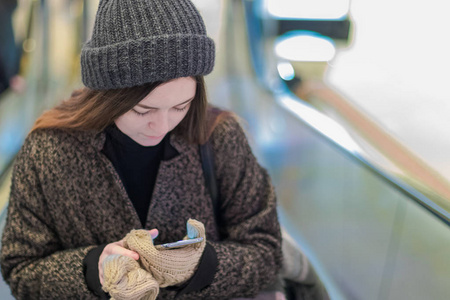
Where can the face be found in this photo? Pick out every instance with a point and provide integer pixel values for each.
(159, 112)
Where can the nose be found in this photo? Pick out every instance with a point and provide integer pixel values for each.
(159, 123)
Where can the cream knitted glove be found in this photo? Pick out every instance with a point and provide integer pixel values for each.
(125, 279)
(168, 266)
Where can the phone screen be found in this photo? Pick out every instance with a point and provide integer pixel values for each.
(179, 244)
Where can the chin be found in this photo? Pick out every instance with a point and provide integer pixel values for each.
(149, 143)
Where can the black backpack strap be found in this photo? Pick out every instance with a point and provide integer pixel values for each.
(207, 157)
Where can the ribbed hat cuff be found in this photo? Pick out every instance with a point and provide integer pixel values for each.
(137, 62)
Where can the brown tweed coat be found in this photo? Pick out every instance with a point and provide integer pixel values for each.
(66, 198)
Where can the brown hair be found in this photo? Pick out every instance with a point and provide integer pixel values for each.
(94, 110)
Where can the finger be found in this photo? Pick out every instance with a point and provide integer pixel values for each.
(154, 233)
(123, 251)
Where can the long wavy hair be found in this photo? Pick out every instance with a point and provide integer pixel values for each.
(93, 110)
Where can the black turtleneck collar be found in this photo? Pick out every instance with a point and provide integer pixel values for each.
(113, 134)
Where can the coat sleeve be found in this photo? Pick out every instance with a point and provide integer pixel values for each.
(250, 254)
(33, 262)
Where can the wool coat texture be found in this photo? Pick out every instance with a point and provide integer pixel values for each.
(67, 198)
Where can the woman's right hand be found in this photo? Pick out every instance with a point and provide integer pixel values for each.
(118, 248)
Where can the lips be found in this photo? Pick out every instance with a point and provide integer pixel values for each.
(154, 137)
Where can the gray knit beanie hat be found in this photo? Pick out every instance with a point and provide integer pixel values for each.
(140, 41)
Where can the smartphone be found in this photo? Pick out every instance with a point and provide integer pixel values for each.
(179, 244)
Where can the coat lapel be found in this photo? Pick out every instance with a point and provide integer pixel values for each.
(179, 191)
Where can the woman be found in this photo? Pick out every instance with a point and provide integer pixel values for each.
(122, 154)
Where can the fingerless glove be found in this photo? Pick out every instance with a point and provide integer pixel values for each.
(168, 266)
(125, 278)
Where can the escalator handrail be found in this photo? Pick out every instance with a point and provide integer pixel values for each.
(285, 98)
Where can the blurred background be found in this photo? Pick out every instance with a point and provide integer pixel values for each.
(344, 102)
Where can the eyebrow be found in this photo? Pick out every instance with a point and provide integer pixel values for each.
(149, 107)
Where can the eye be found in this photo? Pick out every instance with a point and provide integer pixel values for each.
(139, 113)
(181, 109)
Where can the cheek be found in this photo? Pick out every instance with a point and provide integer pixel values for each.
(175, 120)
(128, 123)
